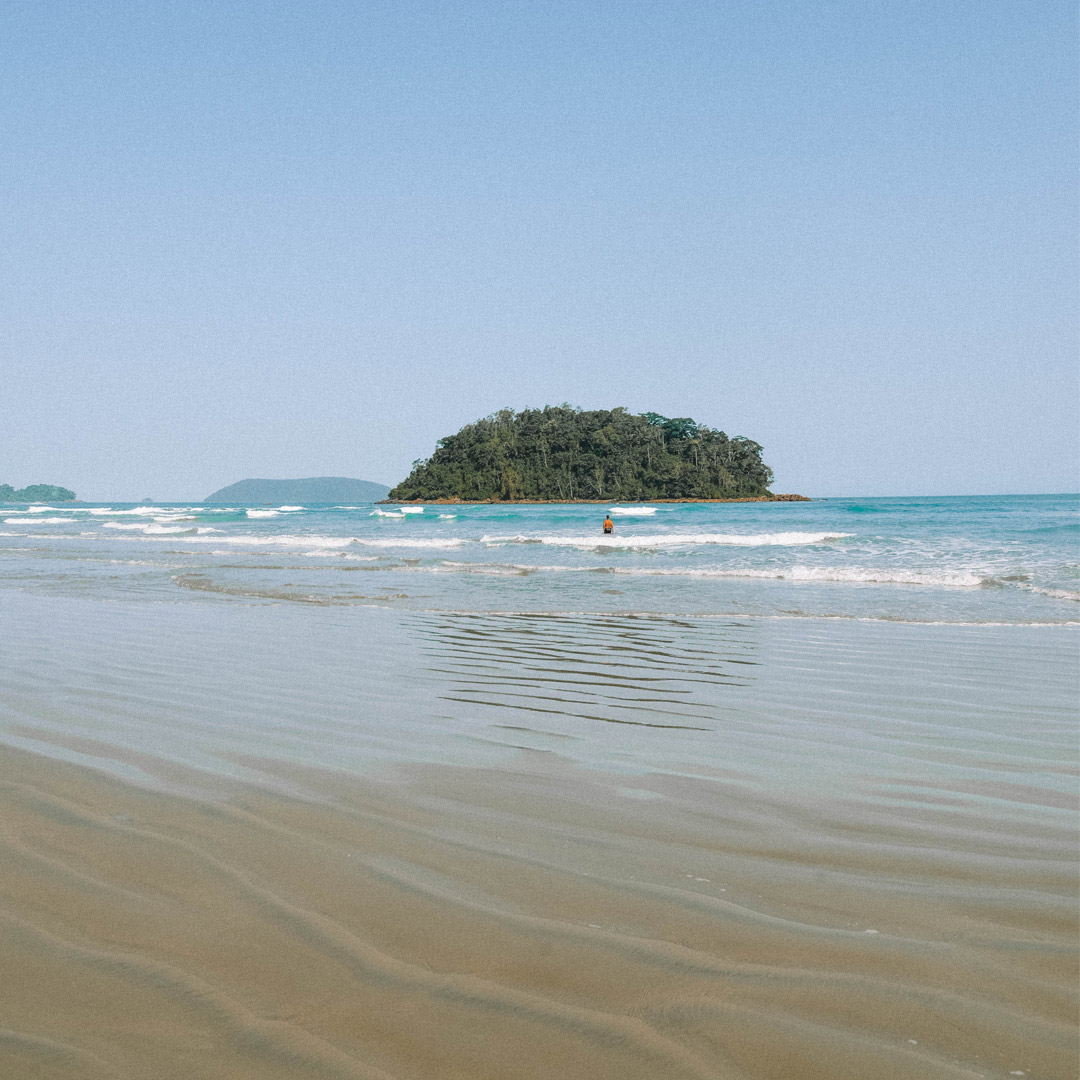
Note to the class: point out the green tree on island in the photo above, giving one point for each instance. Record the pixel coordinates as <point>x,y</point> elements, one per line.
<point>36,493</point>
<point>560,453</point>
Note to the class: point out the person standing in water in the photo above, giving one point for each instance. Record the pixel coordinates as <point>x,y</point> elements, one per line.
<point>609,525</point>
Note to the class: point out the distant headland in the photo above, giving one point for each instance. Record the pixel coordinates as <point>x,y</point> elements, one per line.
<point>36,493</point>
<point>563,454</point>
<point>314,489</point>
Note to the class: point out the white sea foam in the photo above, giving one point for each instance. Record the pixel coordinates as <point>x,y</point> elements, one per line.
<point>285,541</point>
<point>347,555</point>
<point>405,542</point>
<point>853,575</point>
<point>632,511</point>
<point>37,521</point>
<point>447,566</point>
<point>447,517</point>
<point>298,542</point>
<point>153,528</point>
<point>836,574</point>
<point>1057,594</point>
<point>156,512</point>
<point>383,513</point>
<point>411,509</point>
<point>262,513</point>
<point>290,509</point>
<point>656,540</point>
<point>138,511</point>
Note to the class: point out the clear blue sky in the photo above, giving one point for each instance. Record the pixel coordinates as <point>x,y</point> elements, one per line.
<point>295,239</point>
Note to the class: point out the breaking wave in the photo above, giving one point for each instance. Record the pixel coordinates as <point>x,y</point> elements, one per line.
<point>656,540</point>
<point>158,529</point>
<point>1057,594</point>
<point>36,521</point>
<point>300,542</point>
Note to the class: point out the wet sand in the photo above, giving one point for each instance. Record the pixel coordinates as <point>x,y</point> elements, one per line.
<point>552,912</point>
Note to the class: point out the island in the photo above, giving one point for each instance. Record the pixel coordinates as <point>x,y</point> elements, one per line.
<point>36,493</point>
<point>565,454</point>
<point>313,489</point>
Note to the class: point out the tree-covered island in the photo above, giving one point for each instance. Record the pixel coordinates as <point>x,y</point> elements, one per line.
<point>36,493</point>
<point>564,454</point>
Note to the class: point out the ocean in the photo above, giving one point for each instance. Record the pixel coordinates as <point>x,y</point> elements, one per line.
<point>746,790</point>
<point>976,560</point>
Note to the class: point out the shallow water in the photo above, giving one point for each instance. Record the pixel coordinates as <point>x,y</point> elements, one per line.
<point>1011,559</point>
<point>248,837</point>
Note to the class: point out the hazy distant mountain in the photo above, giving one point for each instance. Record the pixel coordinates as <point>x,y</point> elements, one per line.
<point>315,489</point>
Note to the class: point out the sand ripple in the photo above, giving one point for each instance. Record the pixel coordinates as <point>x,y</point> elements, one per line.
<point>317,842</point>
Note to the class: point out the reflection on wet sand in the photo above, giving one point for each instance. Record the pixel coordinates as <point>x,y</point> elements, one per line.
<point>641,670</point>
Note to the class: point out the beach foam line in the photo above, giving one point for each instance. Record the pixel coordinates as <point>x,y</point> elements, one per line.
<point>303,543</point>
<point>1056,594</point>
<point>848,575</point>
<point>350,556</point>
<point>447,542</point>
<point>654,540</point>
<point>837,575</point>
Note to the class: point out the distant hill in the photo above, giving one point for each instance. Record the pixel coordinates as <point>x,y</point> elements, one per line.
<point>36,493</point>
<point>315,489</point>
<point>563,454</point>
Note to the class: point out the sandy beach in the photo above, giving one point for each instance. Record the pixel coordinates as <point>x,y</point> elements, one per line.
<point>801,849</point>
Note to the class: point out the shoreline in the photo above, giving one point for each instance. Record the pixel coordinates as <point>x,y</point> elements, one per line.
<point>453,500</point>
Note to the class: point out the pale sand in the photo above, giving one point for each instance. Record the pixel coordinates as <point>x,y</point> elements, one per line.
<point>534,921</point>
<point>258,842</point>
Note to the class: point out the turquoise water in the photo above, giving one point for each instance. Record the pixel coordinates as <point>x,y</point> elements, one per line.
<point>1006,559</point>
